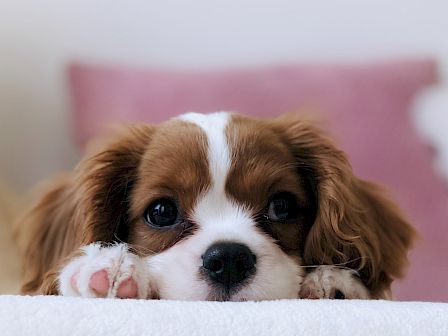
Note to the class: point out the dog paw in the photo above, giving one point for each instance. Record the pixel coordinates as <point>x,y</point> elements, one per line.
<point>105,271</point>
<point>331,282</point>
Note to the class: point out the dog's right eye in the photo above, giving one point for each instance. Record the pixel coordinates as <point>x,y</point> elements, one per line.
<point>161,213</point>
<point>282,207</point>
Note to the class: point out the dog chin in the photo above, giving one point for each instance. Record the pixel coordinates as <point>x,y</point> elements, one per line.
<point>222,295</point>
<point>241,293</point>
<point>242,296</point>
<point>249,292</point>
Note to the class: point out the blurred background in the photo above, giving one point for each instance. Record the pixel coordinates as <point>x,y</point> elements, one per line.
<point>68,67</point>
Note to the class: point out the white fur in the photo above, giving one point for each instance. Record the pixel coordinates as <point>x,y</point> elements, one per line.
<point>325,280</point>
<point>116,260</point>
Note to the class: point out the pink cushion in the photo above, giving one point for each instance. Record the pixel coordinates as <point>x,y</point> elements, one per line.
<point>368,112</point>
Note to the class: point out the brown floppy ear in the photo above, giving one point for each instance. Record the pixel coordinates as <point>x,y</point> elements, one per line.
<point>105,181</point>
<point>45,231</point>
<point>355,225</point>
<point>85,206</point>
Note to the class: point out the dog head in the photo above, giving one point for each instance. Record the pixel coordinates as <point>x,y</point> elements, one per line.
<point>227,207</point>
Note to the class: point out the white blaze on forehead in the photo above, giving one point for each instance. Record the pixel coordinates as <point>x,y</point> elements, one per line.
<point>214,208</point>
<point>214,126</point>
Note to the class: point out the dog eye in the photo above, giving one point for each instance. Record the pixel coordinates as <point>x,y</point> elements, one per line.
<point>282,207</point>
<point>161,213</point>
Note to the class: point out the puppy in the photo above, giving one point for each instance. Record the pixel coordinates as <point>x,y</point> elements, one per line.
<point>215,207</point>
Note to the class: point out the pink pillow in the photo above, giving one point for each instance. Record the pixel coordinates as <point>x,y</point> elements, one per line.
<point>368,112</point>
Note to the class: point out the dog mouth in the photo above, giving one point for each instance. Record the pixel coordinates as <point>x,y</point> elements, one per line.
<point>219,295</point>
<point>225,291</point>
<point>222,295</point>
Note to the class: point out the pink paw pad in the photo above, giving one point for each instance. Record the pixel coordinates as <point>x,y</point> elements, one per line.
<point>128,289</point>
<point>73,281</point>
<point>99,282</point>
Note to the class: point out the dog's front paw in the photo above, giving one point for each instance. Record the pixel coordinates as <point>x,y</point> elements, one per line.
<point>331,282</point>
<point>105,271</point>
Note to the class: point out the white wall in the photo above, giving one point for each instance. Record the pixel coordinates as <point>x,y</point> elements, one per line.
<point>37,38</point>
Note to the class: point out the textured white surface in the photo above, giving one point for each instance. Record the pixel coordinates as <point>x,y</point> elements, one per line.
<point>72,316</point>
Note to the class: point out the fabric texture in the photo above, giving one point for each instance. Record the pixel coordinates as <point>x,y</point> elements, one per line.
<point>365,107</point>
<point>73,316</point>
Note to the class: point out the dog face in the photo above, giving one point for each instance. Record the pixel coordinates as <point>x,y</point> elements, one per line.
<point>227,213</point>
<point>224,207</point>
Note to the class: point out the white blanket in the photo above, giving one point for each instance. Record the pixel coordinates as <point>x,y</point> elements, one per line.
<point>48,316</point>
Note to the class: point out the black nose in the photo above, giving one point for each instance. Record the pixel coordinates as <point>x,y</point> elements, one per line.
<point>228,263</point>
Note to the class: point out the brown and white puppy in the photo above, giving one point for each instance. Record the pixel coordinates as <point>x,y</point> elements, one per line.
<point>215,207</point>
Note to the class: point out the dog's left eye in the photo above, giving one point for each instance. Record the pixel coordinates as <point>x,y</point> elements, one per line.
<point>282,207</point>
<point>161,213</point>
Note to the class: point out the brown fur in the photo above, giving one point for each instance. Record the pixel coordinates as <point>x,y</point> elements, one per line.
<point>346,220</point>
<point>356,225</point>
<point>268,167</point>
<point>80,208</point>
<point>174,146</point>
